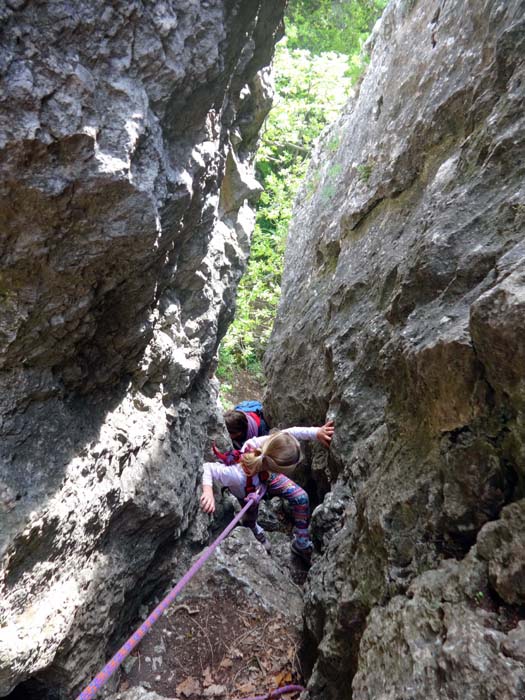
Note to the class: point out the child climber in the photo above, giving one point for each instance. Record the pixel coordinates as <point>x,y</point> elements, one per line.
<point>269,460</point>
<point>245,421</point>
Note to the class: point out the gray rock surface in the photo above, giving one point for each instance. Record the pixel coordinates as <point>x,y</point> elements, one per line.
<point>138,694</point>
<point>447,637</point>
<point>241,563</point>
<point>127,132</point>
<point>502,545</point>
<point>402,318</point>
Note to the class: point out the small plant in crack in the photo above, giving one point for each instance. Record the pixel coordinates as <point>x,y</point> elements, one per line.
<point>364,171</point>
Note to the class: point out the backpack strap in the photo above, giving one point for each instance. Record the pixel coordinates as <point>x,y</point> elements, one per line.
<point>256,417</point>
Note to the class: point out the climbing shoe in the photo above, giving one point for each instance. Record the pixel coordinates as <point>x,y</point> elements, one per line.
<point>305,554</point>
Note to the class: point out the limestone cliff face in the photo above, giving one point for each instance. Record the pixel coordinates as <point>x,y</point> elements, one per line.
<point>403,318</point>
<point>127,131</point>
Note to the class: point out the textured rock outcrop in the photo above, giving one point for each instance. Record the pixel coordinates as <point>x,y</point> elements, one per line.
<point>403,318</point>
<point>446,635</point>
<point>127,131</point>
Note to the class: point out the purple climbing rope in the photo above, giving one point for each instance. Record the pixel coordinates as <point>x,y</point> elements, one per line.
<point>109,669</point>
<point>276,693</point>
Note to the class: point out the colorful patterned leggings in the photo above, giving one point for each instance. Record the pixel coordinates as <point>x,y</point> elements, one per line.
<point>281,485</point>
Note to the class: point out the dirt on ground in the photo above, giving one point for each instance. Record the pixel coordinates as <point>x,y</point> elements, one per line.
<point>219,647</point>
<point>243,385</point>
<point>216,641</point>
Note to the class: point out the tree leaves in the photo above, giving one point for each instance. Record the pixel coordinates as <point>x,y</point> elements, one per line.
<point>312,81</point>
<point>189,686</point>
<point>310,92</point>
<point>331,25</point>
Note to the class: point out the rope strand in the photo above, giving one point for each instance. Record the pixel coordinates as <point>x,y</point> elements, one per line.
<point>113,664</point>
<point>109,669</point>
<point>276,693</point>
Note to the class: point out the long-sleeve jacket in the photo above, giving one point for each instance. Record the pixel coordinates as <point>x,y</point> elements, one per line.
<point>233,476</point>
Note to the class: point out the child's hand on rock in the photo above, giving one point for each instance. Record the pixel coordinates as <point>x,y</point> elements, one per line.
<point>325,433</point>
<point>207,499</point>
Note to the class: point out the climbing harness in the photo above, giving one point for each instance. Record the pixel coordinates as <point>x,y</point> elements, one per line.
<point>229,457</point>
<point>109,669</point>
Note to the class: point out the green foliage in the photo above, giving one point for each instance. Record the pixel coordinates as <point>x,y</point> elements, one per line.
<point>334,171</point>
<point>331,25</point>
<point>364,171</point>
<point>310,91</point>
<point>315,67</point>
<point>479,598</point>
<point>333,143</point>
<point>327,192</point>
<point>312,184</point>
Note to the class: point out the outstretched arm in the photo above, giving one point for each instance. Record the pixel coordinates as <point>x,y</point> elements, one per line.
<point>323,434</point>
<point>232,477</point>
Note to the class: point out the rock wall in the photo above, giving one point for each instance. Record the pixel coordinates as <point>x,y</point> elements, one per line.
<point>403,318</point>
<point>127,131</point>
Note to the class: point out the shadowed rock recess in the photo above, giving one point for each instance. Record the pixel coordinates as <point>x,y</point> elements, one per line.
<point>127,131</point>
<point>403,318</point>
